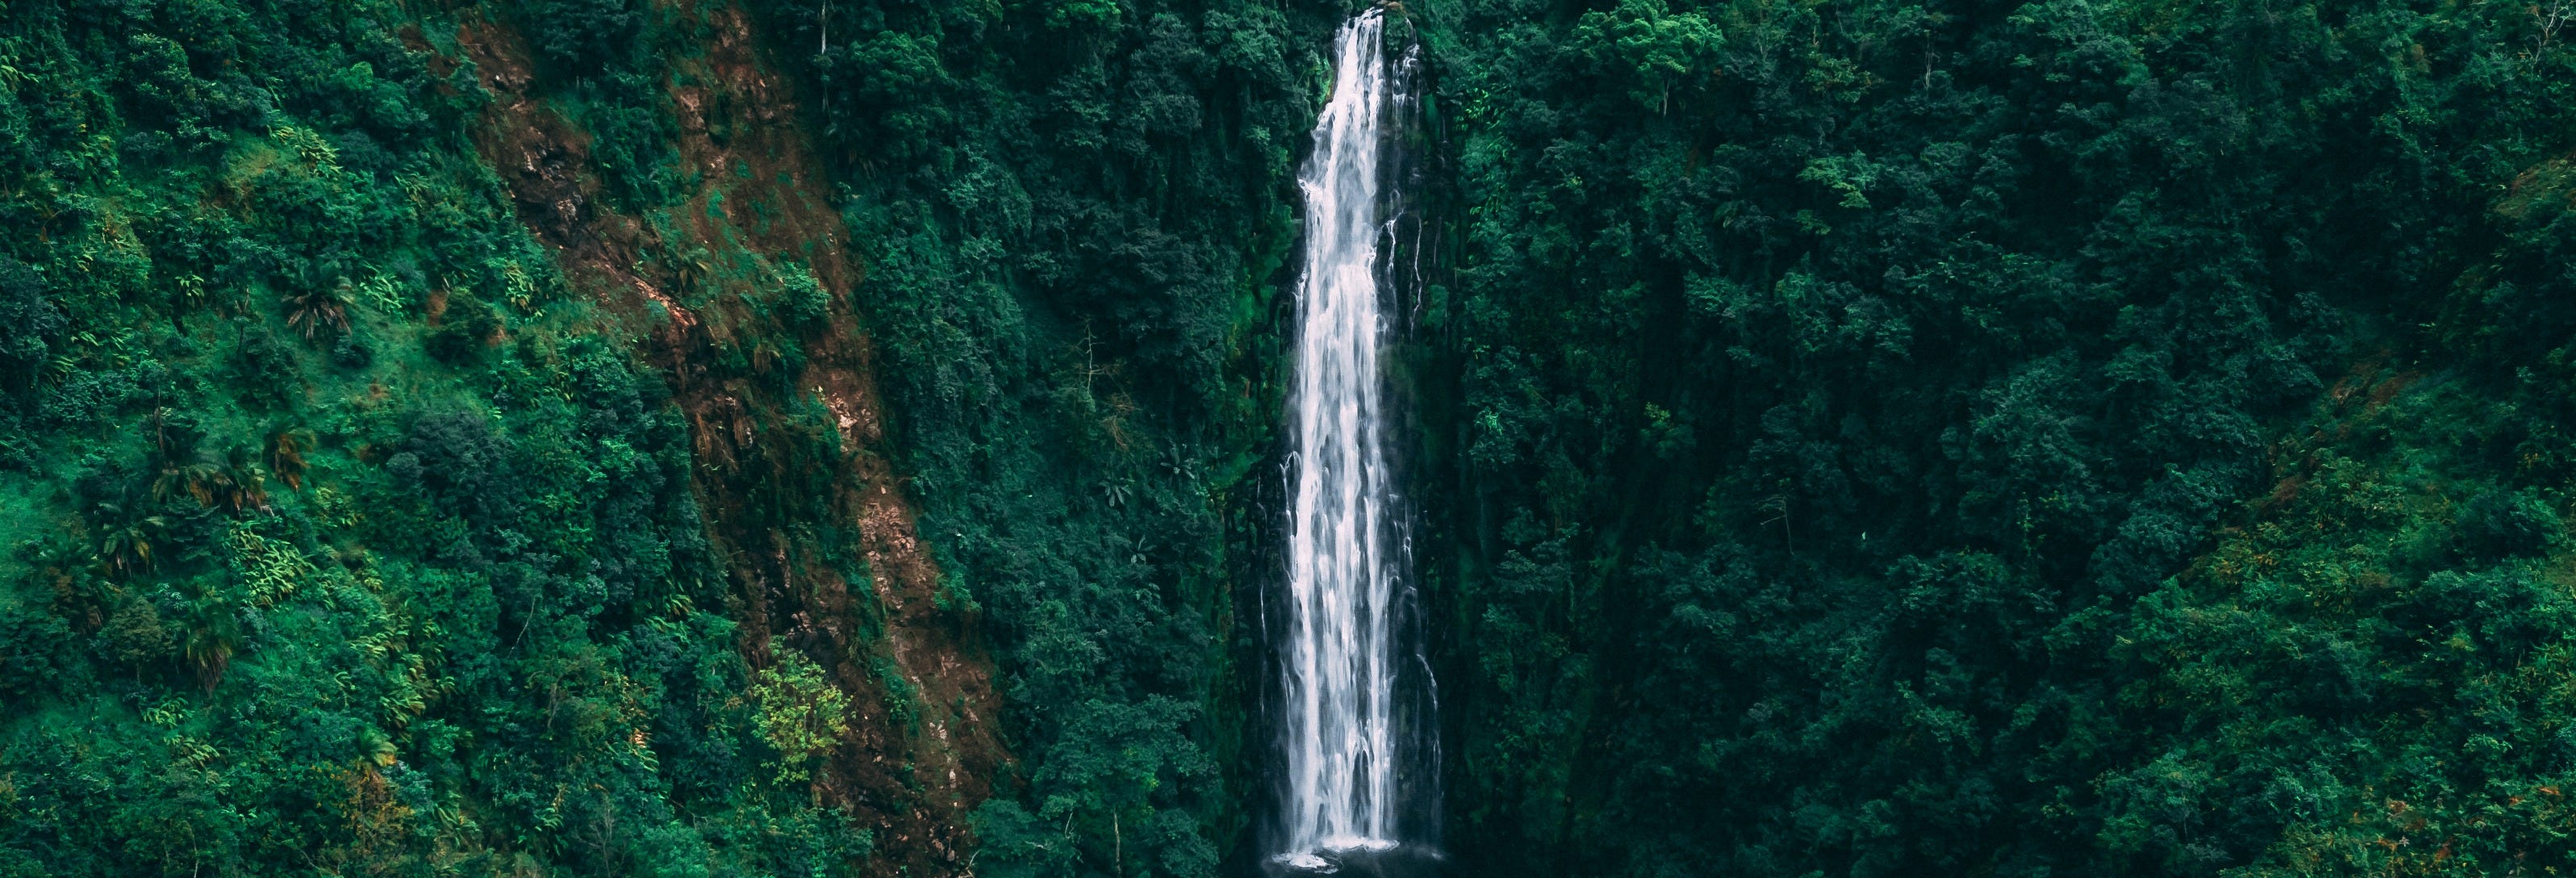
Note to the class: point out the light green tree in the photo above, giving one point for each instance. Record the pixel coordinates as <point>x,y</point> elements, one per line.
<point>799,712</point>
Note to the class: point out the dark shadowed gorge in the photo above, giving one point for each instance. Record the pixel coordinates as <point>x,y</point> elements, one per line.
<point>854,437</point>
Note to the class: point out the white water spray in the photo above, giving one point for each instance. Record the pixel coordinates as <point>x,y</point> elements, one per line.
<point>1340,657</point>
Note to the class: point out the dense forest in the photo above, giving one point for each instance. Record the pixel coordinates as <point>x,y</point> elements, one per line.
<point>843,437</point>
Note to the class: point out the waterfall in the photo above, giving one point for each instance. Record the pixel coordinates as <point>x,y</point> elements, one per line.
<point>1340,653</point>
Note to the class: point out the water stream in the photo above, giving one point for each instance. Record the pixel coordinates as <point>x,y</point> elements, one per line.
<point>1343,652</point>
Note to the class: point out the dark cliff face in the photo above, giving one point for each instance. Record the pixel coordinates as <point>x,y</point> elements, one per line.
<point>649,436</point>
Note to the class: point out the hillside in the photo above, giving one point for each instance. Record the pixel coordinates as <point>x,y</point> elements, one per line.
<point>846,437</point>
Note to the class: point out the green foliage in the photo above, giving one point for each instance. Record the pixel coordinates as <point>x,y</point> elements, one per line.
<point>582,36</point>
<point>800,713</point>
<point>1836,408</point>
<point>1854,438</point>
<point>463,331</point>
<point>2363,678</point>
<point>801,300</point>
<point>29,324</point>
<point>1073,216</point>
<point>279,595</point>
<point>1647,43</point>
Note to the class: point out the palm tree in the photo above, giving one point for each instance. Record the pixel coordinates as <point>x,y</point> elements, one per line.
<point>231,481</point>
<point>127,548</point>
<point>286,449</point>
<point>198,476</point>
<point>245,485</point>
<point>316,308</point>
<point>214,634</point>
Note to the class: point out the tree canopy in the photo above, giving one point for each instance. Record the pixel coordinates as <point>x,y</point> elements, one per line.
<point>1849,437</point>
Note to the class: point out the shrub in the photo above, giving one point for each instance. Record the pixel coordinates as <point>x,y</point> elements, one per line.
<point>28,325</point>
<point>463,331</point>
<point>2506,524</point>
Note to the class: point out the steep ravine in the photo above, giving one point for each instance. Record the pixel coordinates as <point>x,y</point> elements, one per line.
<point>921,750</point>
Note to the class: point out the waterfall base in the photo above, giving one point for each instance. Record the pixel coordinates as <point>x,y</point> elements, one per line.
<point>1359,858</point>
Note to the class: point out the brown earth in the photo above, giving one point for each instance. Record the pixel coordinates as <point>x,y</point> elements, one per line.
<point>746,151</point>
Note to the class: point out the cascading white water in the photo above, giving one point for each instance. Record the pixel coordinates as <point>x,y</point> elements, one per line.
<point>1339,657</point>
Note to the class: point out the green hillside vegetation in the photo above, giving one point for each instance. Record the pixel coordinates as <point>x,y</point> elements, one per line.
<point>343,538</point>
<point>354,518</point>
<point>1075,216</point>
<point>617,437</point>
<point>2011,439</point>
